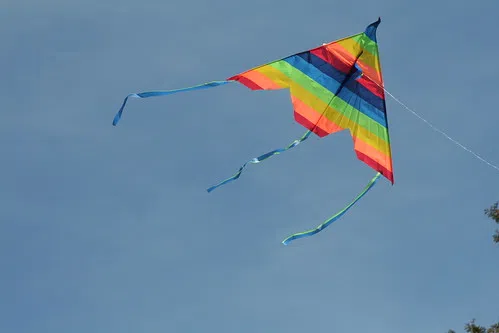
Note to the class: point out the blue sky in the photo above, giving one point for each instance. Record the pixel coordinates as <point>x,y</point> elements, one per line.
<point>109,229</point>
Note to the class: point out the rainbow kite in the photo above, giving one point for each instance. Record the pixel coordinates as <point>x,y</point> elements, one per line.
<point>333,87</point>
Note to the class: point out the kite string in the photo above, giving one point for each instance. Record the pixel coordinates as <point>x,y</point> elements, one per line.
<point>436,128</point>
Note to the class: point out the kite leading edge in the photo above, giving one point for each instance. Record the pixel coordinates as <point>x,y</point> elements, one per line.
<point>333,87</point>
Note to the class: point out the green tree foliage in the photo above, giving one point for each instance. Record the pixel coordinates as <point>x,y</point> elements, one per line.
<point>494,328</point>
<point>493,213</point>
<point>472,327</point>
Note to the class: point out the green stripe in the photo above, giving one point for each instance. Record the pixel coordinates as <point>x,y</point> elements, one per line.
<point>369,45</point>
<point>299,78</point>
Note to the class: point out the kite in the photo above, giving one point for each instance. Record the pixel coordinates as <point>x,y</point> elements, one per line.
<point>333,87</point>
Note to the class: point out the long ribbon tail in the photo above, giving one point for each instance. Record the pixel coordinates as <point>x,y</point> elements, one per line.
<point>164,93</point>
<point>260,159</point>
<point>334,217</point>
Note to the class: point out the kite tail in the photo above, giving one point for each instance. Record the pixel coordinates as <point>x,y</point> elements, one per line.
<point>164,93</point>
<point>334,217</point>
<point>260,159</point>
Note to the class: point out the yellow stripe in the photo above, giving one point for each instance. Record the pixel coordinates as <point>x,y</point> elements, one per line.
<point>353,47</point>
<point>369,45</point>
<point>342,120</point>
<point>276,76</point>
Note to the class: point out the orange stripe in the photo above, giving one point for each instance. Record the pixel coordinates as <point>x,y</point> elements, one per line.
<point>369,52</point>
<point>262,80</point>
<point>314,117</point>
<point>373,153</point>
<point>339,51</point>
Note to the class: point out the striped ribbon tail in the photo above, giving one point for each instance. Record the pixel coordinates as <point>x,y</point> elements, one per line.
<point>260,159</point>
<point>148,94</point>
<point>334,217</point>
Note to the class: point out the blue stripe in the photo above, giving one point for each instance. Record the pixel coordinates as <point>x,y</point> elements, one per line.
<point>371,30</point>
<point>339,76</point>
<point>315,67</point>
<point>353,93</point>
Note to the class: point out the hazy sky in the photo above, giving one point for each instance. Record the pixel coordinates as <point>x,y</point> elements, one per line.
<point>108,229</point>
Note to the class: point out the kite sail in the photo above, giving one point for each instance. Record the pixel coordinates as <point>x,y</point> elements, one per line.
<point>333,87</point>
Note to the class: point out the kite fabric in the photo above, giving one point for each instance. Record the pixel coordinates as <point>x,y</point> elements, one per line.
<point>333,87</point>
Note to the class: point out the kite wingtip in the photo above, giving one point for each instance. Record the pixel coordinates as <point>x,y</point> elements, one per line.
<point>371,29</point>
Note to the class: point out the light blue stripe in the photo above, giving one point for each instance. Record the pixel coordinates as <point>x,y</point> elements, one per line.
<point>333,86</point>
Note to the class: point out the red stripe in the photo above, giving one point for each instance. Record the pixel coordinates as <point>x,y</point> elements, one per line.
<point>247,82</point>
<point>311,126</point>
<point>336,62</point>
<point>372,87</point>
<point>332,59</point>
<point>375,165</point>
